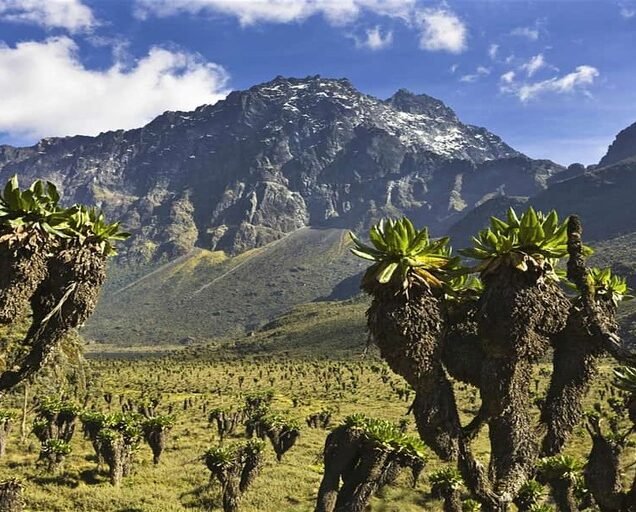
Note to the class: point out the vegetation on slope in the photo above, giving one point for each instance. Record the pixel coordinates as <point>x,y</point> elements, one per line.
<point>206,294</point>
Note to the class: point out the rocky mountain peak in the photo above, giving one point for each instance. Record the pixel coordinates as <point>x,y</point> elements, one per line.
<point>623,147</point>
<point>407,101</point>
<point>282,155</point>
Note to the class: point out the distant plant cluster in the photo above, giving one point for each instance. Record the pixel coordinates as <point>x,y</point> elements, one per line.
<point>435,317</point>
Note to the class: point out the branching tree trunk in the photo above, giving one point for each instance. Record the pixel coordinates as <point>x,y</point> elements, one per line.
<point>53,263</point>
<point>408,330</point>
<point>235,468</point>
<point>156,431</point>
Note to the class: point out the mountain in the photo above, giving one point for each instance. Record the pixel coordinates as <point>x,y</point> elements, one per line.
<point>602,196</point>
<point>623,147</point>
<point>283,155</point>
<point>240,209</point>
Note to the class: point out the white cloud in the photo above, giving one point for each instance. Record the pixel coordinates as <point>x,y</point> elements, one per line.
<point>534,64</point>
<point>71,15</point>
<point>249,12</point>
<point>479,72</point>
<point>442,30</point>
<point>46,91</point>
<point>374,39</point>
<point>528,32</point>
<point>492,51</point>
<point>627,12</point>
<point>578,80</point>
<point>508,77</point>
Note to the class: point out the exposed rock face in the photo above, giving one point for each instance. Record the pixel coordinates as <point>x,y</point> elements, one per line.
<point>623,147</point>
<point>282,155</point>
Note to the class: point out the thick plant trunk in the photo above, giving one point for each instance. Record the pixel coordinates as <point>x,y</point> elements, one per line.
<point>575,364</point>
<point>5,429</point>
<point>505,399</point>
<point>563,496</point>
<point>23,269</point>
<point>391,471</point>
<point>250,471</point>
<point>236,476</point>
<point>453,502</point>
<point>517,315</point>
<point>408,332</point>
<point>602,472</point>
<point>341,454</point>
<point>61,302</point>
<point>11,496</point>
<point>231,494</point>
<point>360,483</point>
<point>156,439</point>
<point>435,412</point>
<point>114,453</point>
<point>282,440</point>
<point>462,353</point>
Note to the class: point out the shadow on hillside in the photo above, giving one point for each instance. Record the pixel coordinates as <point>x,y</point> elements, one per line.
<point>91,477</point>
<point>63,480</point>
<point>202,497</point>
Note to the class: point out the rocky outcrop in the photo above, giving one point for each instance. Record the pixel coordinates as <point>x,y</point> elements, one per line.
<point>623,147</point>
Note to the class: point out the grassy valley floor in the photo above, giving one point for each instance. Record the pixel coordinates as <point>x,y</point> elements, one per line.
<point>181,481</point>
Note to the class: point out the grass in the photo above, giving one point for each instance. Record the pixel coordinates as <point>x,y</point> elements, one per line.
<point>212,378</point>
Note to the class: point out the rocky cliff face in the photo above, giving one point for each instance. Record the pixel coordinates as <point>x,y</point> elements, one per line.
<point>623,147</point>
<point>277,157</point>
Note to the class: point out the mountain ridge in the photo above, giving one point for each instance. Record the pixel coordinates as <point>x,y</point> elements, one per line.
<point>282,155</point>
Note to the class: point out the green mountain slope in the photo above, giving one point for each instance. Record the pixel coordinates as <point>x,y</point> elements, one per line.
<point>207,294</point>
<point>334,329</point>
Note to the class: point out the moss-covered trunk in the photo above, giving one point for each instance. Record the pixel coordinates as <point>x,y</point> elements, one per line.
<point>563,495</point>
<point>408,331</point>
<point>114,453</point>
<point>361,482</point>
<point>5,429</point>
<point>575,364</point>
<point>602,472</point>
<point>61,302</point>
<point>518,313</point>
<point>23,269</point>
<point>340,454</point>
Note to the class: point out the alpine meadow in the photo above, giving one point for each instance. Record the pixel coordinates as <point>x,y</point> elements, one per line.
<point>222,291</point>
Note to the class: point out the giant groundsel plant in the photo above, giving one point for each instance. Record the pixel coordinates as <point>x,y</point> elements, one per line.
<point>53,267</point>
<point>491,336</point>
<point>404,255</point>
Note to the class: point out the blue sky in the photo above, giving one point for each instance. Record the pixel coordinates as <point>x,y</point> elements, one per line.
<point>555,79</point>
